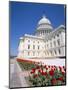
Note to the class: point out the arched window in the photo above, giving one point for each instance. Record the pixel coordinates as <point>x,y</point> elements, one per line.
<point>55,51</point>
<point>28,40</point>
<point>43,32</point>
<point>59,51</point>
<point>54,43</point>
<point>51,52</point>
<point>54,37</point>
<point>38,47</point>
<point>58,41</point>
<point>38,41</point>
<point>57,35</point>
<point>28,46</point>
<point>47,53</point>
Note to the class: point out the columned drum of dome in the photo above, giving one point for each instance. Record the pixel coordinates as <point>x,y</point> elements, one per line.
<point>44,27</point>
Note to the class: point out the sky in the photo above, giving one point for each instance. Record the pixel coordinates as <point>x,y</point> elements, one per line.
<point>24,18</point>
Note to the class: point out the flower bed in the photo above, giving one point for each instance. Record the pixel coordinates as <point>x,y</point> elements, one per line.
<point>47,75</point>
<point>26,64</point>
<point>43,75</point>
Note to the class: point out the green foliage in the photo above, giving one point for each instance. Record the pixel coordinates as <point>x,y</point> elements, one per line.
<point>47,80</point>
<point>40,77</point>
<point>26,65</point>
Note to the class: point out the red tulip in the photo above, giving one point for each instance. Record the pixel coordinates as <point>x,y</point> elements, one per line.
<point>54,69</point>
<point>63,73</point>
<point>36,75</point>
<point>60,68</point>
<point>51,72</point>
<point>37,67</point>
<point>54,81</point>
<point>52,66</point>
<point>33,70</point>
<point>44,73</point>
<point>63,67</point>
<point>60,78</point>
<point>45,66</point>
<point>39,71</point>
<point>49,66</point>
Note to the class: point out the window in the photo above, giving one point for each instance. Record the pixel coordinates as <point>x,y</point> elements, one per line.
<point>38,41</point>
<point>28,40</point>
<point>57,35</point>
<point>60,32</point>
<point>54,37</point>
<point>51,52</point>
<point>47,52</point>
<point>28,46</point>
<point>43,32</point>
<point>47,31</point>
<point>58,41</point>
<point>38,47</point>
<point>59,51</point>
<point>55,51</point>
<point>33,46</point>
<point>54,43</point>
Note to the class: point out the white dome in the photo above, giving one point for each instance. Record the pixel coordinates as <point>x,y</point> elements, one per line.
<point>44,20</point>
<point>44,27</point>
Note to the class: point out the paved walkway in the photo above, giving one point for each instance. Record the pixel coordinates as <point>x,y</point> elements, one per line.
<point>17,77</point>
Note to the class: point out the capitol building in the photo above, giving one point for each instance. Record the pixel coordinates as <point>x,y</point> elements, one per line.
<point>47,42</point>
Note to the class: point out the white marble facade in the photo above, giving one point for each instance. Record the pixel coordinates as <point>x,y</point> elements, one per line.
<point>47,42</point>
